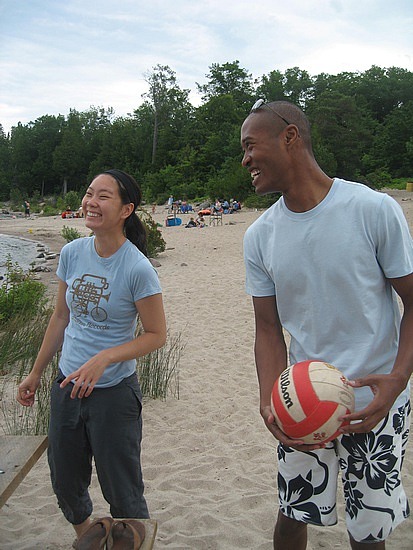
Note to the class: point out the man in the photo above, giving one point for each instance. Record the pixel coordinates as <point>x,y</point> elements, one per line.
<point>170,203</point>
<point>322,264</point>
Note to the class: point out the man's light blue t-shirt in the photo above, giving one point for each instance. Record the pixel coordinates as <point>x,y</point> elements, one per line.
<point>328,268</point>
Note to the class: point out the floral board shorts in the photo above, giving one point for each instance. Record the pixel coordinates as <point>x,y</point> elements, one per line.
<point>370,466</point>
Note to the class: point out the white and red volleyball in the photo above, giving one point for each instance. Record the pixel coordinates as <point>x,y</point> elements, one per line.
<point>308,399</point>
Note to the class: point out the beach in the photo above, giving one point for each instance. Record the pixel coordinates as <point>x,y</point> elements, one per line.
<point>208,461</point>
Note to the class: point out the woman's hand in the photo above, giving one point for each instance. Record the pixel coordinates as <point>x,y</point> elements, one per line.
<point>27,389</point>
<point>87,376</point>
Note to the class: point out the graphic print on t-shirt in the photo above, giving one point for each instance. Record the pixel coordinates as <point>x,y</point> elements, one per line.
<point>88,293</point>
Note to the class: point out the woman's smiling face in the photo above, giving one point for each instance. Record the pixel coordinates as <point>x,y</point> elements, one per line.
<point>102,205</point>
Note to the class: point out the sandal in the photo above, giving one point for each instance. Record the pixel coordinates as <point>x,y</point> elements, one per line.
<point>127,534</point>
<point>96,535</point>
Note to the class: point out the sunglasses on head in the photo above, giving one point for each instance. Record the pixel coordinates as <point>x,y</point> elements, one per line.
<point>261,103</point>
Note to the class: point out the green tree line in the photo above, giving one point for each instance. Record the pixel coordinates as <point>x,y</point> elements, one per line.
<point>362,130</point>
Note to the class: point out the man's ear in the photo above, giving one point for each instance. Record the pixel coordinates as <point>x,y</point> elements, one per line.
<point>291,134</point>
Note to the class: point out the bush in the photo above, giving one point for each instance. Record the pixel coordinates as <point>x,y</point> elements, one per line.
<point>73,200</point>
<point>70,233</point>
<point>260,201</point>
<point>16,198</point>
<point>399,183</point>
<point>50,210</point>
<point>377,179</point>
<point>156,243</point>
<point>20,294</point>
<point>23,321</point>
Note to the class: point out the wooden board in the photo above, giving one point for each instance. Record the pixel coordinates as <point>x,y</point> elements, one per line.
<point>18,454</point>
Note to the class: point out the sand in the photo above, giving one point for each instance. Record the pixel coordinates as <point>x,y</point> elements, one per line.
<point>209,463</point>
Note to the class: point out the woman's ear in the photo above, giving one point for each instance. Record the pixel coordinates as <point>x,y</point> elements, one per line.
<point>128,209</point>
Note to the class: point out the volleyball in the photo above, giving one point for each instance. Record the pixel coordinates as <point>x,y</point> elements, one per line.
<point>308,399</point>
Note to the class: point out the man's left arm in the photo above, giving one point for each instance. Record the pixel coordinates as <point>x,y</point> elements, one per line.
<point>387,387</point>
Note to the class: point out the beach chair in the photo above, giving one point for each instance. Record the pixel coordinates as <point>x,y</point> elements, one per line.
<point>215,218</point>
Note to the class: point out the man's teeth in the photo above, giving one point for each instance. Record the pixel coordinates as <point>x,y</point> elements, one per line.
<point>92,215</point>
<point>255,173</point>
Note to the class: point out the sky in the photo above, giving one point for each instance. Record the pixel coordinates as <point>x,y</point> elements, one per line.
<point>57,55</point>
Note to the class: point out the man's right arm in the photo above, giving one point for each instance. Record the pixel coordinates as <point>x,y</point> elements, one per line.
<point>271,360</point>
<point>270,349</point>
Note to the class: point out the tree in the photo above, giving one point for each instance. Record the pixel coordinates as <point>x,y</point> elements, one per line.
<point>271,87</point>
<point>385,89</point>
<point>4,165</point>
<point>46,133</point>
<point>22,156</point>
<point>119,147</point>
<point>95,124</point>
<point>167,102</point>
<point>231,181</point>
<point>229,79</point>
<point>345,83</point>
<point>298,87</point>
<point>361,127</point>
<point>392,145</point>
<point>294,85</point>
<point>70,156</point>
<point>344,130</point>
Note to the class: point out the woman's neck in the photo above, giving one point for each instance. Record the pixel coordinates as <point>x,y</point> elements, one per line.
<point>107,246</point>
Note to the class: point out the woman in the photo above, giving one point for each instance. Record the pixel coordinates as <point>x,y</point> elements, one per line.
<point>105,281</point>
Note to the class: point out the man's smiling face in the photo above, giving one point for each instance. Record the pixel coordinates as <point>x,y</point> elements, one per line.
<point>264,154</point>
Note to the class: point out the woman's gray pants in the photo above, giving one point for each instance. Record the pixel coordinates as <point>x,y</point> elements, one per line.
<point>107,426</point>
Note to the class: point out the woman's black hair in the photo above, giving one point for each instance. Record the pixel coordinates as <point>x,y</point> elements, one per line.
<point>130,192</point>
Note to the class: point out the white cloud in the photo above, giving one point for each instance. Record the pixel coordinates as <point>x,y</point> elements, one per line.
<point>55,56</point>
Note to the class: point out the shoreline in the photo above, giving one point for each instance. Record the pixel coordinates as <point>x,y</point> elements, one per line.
<point>43,231</point>
<point>38,254</point>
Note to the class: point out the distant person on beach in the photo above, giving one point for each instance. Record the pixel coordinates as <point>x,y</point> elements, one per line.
<point>26,209</point>
<point>325,264</point>
<point>191,223</point>
<point>170,203</point>
<point>200,221</point>
<point>105,283</point>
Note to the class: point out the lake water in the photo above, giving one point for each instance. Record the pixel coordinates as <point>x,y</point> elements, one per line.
<point>22,251</point>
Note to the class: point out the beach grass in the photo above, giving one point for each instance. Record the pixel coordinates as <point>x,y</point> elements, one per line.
<point>158,372</point>
<point>21,296</point>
